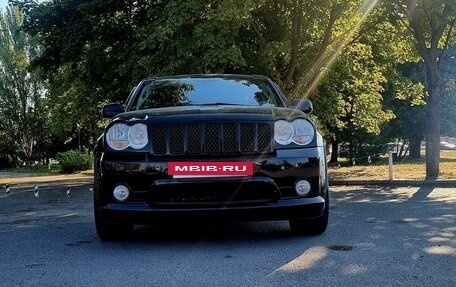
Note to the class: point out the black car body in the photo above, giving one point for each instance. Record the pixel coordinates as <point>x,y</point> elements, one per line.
<point>207,120</point>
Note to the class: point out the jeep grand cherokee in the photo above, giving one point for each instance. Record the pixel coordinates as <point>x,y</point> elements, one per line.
<point>209,147</point>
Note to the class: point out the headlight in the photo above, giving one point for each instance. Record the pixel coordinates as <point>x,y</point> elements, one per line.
<point>303,131</point>
<point>299,131</point>
<point>117,136</point>
<point>138,136</point>
<point>121,136</point>
<point>282,132</point>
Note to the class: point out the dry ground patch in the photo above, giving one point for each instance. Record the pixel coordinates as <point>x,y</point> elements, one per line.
<point>39,178</point>
<point>404,168</point>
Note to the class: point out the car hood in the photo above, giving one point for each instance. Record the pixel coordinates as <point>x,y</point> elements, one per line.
<point>211,110</point>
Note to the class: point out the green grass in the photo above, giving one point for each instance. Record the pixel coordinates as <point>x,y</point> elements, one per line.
<point>37,170</point>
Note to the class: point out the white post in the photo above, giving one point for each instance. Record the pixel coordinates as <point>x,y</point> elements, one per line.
<point>390,162</point>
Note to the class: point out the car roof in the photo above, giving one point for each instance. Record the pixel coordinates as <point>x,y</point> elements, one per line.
<point>206,76</point>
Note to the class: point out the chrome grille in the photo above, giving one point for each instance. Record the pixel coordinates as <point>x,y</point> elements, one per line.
<point>228,138</point>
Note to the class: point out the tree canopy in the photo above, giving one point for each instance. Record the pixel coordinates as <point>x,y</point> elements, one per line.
<point>431,23</point>
<point>22,106</point>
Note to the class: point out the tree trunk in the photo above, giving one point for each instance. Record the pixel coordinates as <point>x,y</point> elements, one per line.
<point>434,111</point>
<point>296,27</point>
<point>415,147</point>
<point>334,151</point>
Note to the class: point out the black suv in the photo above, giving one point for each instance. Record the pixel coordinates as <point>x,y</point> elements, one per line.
<point>209,147</point>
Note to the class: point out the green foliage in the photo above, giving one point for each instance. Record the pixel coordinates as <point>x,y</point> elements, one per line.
<point>88,59</point>
<point>349,101</point>
<point>295,42</point>
<point>193,37</point>
<point>114,44</point>
<point>73,160</point>
<point>22,106</point>
<point>6,161</point>
<point>37,170</point>
<point>405,96</point>
<point>431,23</point>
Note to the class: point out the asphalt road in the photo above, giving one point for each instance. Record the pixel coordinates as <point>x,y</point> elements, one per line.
<point>377,237</point>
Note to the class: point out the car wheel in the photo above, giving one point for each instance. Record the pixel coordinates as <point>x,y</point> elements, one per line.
<point>311,226</point>
<point>108,231</point>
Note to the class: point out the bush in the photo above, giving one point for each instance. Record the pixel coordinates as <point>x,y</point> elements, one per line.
<point>6,161</point>
<point>73,160</point>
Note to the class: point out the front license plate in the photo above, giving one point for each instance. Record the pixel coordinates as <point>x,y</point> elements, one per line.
<point>209,169</point>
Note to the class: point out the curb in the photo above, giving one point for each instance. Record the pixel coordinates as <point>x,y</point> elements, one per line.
<point>51,184</point>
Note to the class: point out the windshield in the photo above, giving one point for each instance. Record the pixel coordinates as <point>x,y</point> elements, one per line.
<point>206,91</point>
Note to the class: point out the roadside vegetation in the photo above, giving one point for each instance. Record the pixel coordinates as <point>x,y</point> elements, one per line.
<point>68,162</point>
<point>36,170</point>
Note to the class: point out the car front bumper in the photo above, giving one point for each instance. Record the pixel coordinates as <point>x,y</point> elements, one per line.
<point>284,209</point>
<point>267,195</point>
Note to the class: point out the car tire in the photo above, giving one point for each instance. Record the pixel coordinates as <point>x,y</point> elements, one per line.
<point>108,231</point>
<point>313,226</point>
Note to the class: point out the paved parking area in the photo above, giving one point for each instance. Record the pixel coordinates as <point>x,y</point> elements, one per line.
<point>378,236</point>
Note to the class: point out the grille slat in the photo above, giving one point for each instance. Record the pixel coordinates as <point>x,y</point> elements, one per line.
<point>211,138</point>
<point>193,139</point>
<point>159,140</point>
<point>247,137</point>
<point>229,142</point>
<point>227,138</point>
<point>176,144</point>
<point>264,137</point>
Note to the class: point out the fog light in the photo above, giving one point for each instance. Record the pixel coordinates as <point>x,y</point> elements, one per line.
<point>121,192</point>
<point>302,187</point>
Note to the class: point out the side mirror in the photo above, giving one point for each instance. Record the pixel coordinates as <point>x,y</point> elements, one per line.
<point>304,105</point>
<point>112,110</point>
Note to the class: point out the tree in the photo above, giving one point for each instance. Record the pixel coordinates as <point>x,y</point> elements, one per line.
<point>114,44</point>
<point>22,110</point>
<point>295,42</point>
<point>362,79</point>
<point>349,100</point>
<point>88,59</point>
<point>431,23</point>
<point>408,127</point>
<point>194,36</point>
